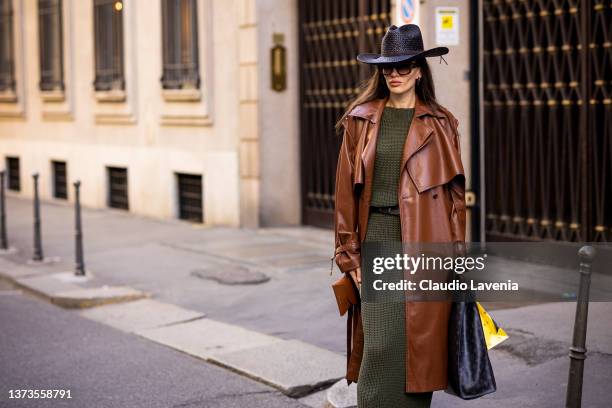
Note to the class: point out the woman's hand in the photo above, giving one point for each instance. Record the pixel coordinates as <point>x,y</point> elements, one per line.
<point>356,275</point>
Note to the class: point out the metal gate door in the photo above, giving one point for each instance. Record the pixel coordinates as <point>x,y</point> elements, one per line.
<point>332,33</point>
<point>547,121</point>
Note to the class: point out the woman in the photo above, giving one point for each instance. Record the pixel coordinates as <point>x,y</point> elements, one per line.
<point>399,179</point>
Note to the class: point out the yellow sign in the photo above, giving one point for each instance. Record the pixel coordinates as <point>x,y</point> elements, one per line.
<point>447,22</point>
<point>447,25</point>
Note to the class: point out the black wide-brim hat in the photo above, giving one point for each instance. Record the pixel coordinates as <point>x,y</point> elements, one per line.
<point>401,44</point>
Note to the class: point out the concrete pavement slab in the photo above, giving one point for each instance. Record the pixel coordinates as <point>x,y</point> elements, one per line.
<point>72,278</point>
<point>46,285</point>
<point>294,367</point>
<point>532,349</point>
<point>47,260</point>
<point>8,251</point>
<point>540,386</point>
<point>341,395</point>
<point>555,321</point>
<point>11,270</point>
<point>323,237</point>
<point>205,338</point>
<point>140,314</point>
<point>58,290</point>
<point>298,261</point>
<point>254,251</point>
<point>317,399</point>
<point>229,244</point>
<point>531,367</point>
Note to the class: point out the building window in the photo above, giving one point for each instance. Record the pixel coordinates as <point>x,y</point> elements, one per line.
<point>108,44</point>
<point>7,52</point>
<point>60,185</point>
<point>50,45</point>
<point>190,197</point>
<point>14,180</point>
<point>180,45</point>
<point>117,188</point>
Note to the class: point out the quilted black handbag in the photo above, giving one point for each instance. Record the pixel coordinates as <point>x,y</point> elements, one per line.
<point>470,374</point>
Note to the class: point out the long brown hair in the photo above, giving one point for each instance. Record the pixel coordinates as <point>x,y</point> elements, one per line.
<point>375,87</point>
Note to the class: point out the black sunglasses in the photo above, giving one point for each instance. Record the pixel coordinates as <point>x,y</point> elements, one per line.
<point>402,69</point>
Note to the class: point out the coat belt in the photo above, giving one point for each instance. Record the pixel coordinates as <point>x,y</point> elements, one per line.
<point>391,209</point>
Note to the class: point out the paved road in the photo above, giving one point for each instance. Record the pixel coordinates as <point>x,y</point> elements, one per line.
<point>160,257</point>
<point>45,347</point>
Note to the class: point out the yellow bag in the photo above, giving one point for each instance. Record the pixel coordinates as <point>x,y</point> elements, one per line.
<point>493,334</point>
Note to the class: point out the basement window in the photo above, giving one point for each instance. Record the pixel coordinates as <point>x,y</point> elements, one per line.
<point>190,197</point>
<point>60,184</point>
<point>118,188</point>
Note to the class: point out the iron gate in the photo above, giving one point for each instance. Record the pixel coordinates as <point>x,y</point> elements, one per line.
<point>332,33</point>
<point>547,68</point>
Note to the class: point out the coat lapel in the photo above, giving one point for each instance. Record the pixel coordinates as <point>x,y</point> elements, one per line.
<point>369,152</point>
<point>419,134</point>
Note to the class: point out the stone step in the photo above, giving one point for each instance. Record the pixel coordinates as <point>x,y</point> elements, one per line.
<point>292,366</point>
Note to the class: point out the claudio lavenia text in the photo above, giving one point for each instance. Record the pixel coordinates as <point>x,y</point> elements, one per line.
<point>430,285</point>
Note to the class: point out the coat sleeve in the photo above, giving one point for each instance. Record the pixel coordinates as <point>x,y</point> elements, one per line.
<point>457,193</point>
<point>348,250</point>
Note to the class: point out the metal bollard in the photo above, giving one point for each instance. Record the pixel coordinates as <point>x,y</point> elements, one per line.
<point>3,240</point>
<point>38,252</point>
<point>80,263</point>
<point>577,352</point>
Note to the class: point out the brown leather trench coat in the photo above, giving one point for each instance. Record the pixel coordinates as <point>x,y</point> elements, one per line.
<point>431,194</point>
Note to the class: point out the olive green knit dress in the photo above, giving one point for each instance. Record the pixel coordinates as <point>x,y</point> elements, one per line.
<point>382,374</point>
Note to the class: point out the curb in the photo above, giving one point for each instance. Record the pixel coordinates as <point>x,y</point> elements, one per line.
<point>61,290</point>
<point>295,368</point>
<point>86,298</point>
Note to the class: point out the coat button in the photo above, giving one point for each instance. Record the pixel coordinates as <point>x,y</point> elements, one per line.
<point>435,195</point>
<point>410,199</point>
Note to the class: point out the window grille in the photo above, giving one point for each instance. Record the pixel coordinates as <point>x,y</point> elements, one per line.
<point>50,45</point>
<point>180,45</point>
<point>117,188</point>
<point>7,52</point>
<point>60,185</point>
<point>330,34</point>
<point>108,40</point>
<point>190,197</point>
<point>14,179</point>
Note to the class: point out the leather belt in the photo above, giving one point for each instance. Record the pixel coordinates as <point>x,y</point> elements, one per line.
<point>392,209</point>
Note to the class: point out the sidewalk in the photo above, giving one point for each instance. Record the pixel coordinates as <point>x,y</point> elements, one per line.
<point>244,298</point>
